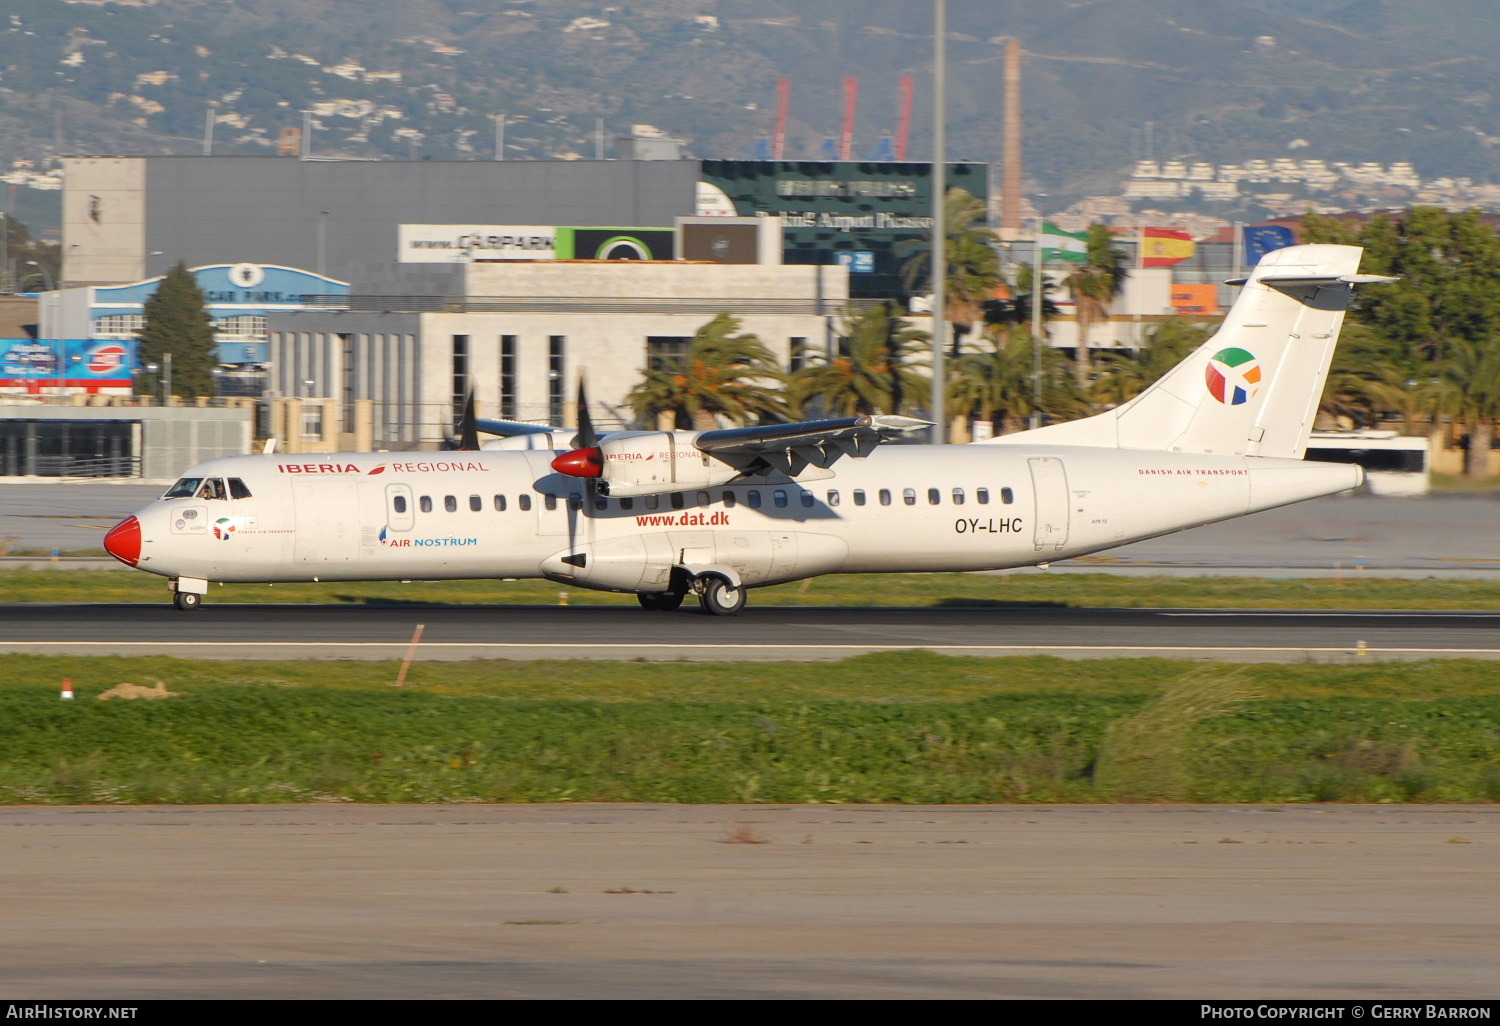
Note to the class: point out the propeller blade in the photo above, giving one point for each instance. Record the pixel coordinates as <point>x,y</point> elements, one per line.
<point>468,426</point>
<point>587,437</point>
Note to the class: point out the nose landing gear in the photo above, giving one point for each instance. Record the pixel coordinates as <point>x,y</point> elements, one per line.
<point>187,593</point>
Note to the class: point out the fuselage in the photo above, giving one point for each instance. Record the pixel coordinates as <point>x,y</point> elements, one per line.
<point>506,514</point>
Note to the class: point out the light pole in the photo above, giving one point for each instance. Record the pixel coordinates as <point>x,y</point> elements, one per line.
<point>52,343</point>
<point>151,369</point>
<point>939,220</point>
<point>1038,296</point>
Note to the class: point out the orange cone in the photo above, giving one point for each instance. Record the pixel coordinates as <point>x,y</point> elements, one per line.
<point>67,688</point>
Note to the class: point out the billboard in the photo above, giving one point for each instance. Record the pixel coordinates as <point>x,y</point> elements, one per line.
<point>876,212</point>
<point>75,362</point>
<point>1195,300</point>
<point>463,243</point>
<point>616,243</point>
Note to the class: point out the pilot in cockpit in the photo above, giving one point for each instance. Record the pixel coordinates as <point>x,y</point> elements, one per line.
<point>213,488</point>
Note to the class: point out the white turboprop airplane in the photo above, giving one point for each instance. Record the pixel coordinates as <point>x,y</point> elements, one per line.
<point>662,514</point>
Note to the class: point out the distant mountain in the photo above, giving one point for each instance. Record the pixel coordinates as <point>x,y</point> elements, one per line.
<point>1105,80</point>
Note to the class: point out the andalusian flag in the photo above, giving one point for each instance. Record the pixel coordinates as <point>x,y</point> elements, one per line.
<point>1163,247</point>
<point>1060,245</point>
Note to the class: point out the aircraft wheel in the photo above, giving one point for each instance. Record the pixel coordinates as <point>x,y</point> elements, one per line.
<point>720,598</point>
<point>187,600</point>
<point>660,601</point>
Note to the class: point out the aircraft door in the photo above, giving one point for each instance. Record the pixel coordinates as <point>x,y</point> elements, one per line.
<point>328,521</point>
<point>1049,482</point>
<point>400,513</point>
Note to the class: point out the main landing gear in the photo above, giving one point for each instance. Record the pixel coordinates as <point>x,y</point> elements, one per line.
<point>187,600</point>
<point>716,594</point>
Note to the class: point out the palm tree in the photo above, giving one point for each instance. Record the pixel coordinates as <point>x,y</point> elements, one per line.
<point>1467,389</point>
<point>1124,375</point>
<point>998,384</point>
<point>1094,284</point>
<point>973,265</point>
<point>1364,382</point>
<point>724,373</point>
<point>873,371</point>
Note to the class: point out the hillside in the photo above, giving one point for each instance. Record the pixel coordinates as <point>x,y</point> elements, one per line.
<point>1352,79</point>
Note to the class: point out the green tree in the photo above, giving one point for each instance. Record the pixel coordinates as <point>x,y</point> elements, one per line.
<point>1094,285</point>
<point>873,372</point>
<point>1123,375</point>
<point>725,373</point>
<point>973,266</point>
<point>177,323</point>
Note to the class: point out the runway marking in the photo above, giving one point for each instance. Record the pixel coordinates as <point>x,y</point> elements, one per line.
<point>1423,614</point>
<point>401,645</point>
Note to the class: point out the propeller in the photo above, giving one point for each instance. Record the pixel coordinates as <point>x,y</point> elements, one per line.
<point>585,459</point>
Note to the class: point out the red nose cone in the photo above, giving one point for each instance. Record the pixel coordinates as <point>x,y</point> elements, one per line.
<point>124,541</point>
<point>580,463</point>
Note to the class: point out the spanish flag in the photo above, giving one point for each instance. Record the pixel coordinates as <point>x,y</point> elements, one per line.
<point>1163,247</point>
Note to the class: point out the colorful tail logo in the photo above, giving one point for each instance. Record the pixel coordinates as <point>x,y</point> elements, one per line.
<point>1233,376</point>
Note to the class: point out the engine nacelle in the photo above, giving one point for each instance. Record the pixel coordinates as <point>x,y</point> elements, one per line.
<point>652,462</point>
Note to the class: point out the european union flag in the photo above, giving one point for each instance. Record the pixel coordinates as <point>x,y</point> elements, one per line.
<point>1260,239</point>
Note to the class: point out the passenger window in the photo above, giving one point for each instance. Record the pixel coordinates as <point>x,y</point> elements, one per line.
<point>450,503</point>
<point>499,504</point>
<point>807,500</point>
<point>575,502</point>
<point>704,498</point>
<point>653,501</point>
<point>550,501</point>
<point>600,502</point>
<point>859,496</point>
<point>909,496</point>
<point>833,497</point>
<point>958,496</point>
<point>779,495</point>
<point>729,499</point>
<point>934,496</point>
<point>524,502</point>
<point>982,496</point>
<point>476,503</point>
<point>237,489</point>
<point>1007,496</point>
<point>885,496</point>
<point>398,503</point>
<point>627,504</point>
<point>678,500</point>
<point>426,503</point>
<point>754,498</point>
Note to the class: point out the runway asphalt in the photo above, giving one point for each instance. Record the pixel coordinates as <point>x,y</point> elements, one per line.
<point>1329,904</point>
<point>765,633</point>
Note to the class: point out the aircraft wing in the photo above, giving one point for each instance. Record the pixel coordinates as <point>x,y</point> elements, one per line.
<point>790,448</point>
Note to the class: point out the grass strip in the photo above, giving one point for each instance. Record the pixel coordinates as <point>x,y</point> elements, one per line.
<point>1102,590</point>
<point>908,727</point>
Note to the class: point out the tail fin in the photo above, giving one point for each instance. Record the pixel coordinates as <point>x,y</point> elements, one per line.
<point>1252,389</point>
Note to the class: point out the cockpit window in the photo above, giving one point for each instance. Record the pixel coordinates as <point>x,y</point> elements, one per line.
<point>237,489</point>
<point>184,489</point>
<point>213,488</point>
